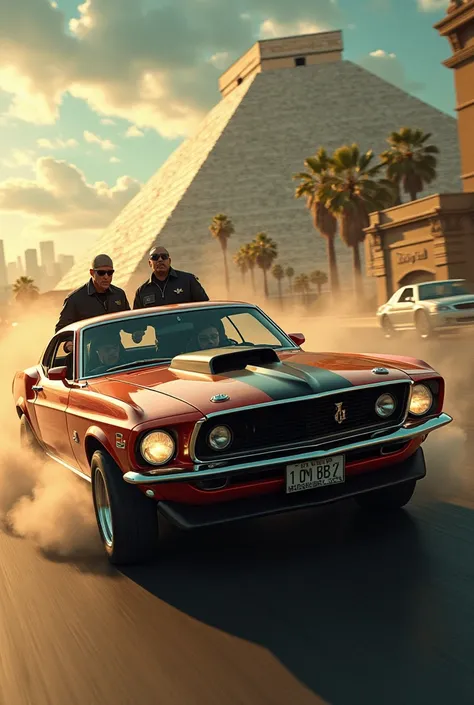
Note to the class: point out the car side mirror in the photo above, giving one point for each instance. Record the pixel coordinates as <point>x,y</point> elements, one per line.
<point>297,338</point>
<point>58,374</point>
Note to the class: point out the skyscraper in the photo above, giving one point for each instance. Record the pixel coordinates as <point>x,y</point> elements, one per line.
<point>31,265</point>
<point>47,257</point>
<point>3,267</point>
<point>65,263</point>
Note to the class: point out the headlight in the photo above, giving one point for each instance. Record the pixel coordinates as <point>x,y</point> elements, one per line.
<point>157,447</point>
<point>385,405</point>
<point>443,308</point>
<point>220,437</point>
<point>421,400</point>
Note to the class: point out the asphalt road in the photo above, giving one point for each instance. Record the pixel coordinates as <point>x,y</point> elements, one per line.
<point>324,606</point>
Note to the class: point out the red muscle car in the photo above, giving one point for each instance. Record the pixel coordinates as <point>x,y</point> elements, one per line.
<point>208,413</point>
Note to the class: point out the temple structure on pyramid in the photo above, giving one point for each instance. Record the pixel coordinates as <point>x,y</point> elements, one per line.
<point>280,101</point>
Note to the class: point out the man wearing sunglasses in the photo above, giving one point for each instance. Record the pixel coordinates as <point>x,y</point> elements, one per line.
<point>96,298</point>
<point>167,285</point>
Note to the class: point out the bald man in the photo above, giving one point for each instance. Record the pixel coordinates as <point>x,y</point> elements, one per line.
<point>167,285</point>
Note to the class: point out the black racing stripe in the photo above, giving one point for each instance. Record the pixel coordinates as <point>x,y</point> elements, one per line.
<point>319,378</point>
<point>287,381</point>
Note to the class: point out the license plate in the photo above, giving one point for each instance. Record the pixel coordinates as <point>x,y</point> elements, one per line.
<point>315,473</point>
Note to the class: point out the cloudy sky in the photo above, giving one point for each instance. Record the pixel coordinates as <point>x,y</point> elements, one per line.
<point>95,96</point>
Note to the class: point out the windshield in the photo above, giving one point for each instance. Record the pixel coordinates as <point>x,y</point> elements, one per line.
<point>157,338</point>
<point>442,289</point>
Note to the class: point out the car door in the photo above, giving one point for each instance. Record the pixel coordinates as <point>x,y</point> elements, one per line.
<point>52,398</point>
<point>401,314</point>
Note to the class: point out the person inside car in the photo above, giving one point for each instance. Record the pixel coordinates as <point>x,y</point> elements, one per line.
<point>104,352</point>
<point>210,334</point>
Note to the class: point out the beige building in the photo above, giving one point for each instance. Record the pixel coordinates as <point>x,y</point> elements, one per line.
<point>279,102</point>
<point>433,238</point>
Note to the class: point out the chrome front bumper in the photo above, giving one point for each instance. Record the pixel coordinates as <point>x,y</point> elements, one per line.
<point>201,471</point>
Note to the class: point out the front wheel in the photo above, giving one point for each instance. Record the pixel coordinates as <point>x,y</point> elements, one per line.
<point>388,498</point>
<point>387,327</point>
<point>423,325</point>
<point>127,520</point>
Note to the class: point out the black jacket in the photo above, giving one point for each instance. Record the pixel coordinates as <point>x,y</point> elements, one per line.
<point>85,302</point>
<point>179,288</point>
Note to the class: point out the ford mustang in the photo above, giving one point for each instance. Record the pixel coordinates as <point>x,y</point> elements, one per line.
<point>209,413</point>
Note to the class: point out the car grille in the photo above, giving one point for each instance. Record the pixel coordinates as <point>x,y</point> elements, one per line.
<point>301,421</point>
<point>469,304</point>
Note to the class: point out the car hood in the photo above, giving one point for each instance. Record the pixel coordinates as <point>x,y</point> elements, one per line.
<point>298,374</point>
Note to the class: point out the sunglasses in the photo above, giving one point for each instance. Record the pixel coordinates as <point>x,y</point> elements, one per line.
<point>104,272</point>
<point>155,258</point>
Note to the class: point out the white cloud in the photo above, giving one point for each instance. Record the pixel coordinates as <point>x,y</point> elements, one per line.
<point>60,199</point>
<point>432,5</point>
<point>92,138</point>
<point>107,121</point>
<point>133,131</point>
<point>381,54</point>
<point>386,65</point>
<point>45,143</point>
<point>147,65</point>
<point>114,160</point>
<point>220,60</point>
<point>20,158</point>
<point>270,29</point>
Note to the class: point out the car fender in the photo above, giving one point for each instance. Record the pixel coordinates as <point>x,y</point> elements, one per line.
<point>95,432</point>
<point>421,307</point>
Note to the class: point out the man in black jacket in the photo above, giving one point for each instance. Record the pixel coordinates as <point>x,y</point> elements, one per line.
<point>96,298</point>
<point>167,285</point>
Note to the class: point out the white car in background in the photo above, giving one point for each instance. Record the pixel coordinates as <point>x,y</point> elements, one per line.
<point>428,308</point>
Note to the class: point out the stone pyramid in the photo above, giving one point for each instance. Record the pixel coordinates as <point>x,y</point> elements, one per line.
<point>280,102</point>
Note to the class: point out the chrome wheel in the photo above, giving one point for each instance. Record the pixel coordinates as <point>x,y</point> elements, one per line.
<point>423,326</point>
<point>104,513</point>
<point>387,327</point>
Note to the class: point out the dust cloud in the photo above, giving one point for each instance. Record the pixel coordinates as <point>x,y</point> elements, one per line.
<point>49,506</point>
<point>39,500</point>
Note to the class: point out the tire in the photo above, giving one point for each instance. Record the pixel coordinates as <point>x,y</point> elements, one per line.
<point>388,498</point>
<point>423,325</point>
<point>28,440</point>
<point>387,327</point>
<point>126,519</point>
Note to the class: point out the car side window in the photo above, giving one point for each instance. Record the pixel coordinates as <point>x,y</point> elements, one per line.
<point>407,295</point>
<point>48,355</point>
<point>57,354</point>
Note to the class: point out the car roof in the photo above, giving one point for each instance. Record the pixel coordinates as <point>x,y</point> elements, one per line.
<point>433,281</point>
<point>149,310</point>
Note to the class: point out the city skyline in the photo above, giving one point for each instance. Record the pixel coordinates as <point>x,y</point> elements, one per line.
<point>40,264</point>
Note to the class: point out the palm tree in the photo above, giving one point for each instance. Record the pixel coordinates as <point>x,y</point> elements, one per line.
<point>279,274</point>
<point>312,181</point>
<point>290,273</point>
<point>351,193</point>
<point>302,286</point>
<point>248,256</point>
<point>318,278</point>
<point>242,263</point>
<point>25,290</point>
<point>409,161</point>
<point>222,228</point>
<point>265,252</point>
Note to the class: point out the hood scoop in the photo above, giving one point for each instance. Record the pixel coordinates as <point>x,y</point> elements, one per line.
<point>221,360</point>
